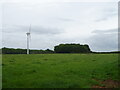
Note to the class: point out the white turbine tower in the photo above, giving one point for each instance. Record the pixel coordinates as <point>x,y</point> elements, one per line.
<point>28,39</point>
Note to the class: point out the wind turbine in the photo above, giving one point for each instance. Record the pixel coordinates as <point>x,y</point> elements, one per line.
<point>28,39</point>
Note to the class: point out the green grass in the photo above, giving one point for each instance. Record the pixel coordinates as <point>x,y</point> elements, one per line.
<point>58,70</point>
<point>0,71</point>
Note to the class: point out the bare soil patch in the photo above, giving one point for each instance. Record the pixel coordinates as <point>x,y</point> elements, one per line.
<point>107,84</point>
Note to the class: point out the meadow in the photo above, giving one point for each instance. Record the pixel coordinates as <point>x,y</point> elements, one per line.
<point>60,71</point>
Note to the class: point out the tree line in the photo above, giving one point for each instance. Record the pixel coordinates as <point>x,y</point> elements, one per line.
<point>23,51</point>
<point>72,48</point>
<point>61,48</point>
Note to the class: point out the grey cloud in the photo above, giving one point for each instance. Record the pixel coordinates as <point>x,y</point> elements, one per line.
<point>14,36</point>
<point>34,29</point>
<point>14,28</point>
<point>65,19</point>
<point>46,30</point>
<point>52,20</point>
<point>105,31</point>
<point>104,41</point>
<point>101,19</point>
<point>107,14</point>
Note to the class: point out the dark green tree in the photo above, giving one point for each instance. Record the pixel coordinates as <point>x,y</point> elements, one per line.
<point>72,48</point>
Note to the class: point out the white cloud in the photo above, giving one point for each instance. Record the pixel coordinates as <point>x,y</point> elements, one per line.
<point>54,23</point>
<point>0,25</point>
<point>44,1</point>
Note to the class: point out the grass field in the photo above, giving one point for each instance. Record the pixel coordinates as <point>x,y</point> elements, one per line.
<point>59,70</point>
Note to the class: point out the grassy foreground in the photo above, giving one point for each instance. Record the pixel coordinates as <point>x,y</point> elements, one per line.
<point>58,70</point>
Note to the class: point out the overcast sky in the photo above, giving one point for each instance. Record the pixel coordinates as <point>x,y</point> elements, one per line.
<point>54,22</point>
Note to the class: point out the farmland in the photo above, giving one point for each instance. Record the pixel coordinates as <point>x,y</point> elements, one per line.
<point>59,70</point>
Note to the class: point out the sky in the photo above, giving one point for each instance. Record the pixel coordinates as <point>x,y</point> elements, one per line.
<point>92,22</point>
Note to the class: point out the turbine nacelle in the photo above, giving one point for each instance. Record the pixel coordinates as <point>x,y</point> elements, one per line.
<point>28,33</point>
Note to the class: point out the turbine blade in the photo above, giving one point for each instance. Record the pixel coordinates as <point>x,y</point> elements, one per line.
<point>30,32</point>
<point>30,29</point>
<point>30,38</point>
